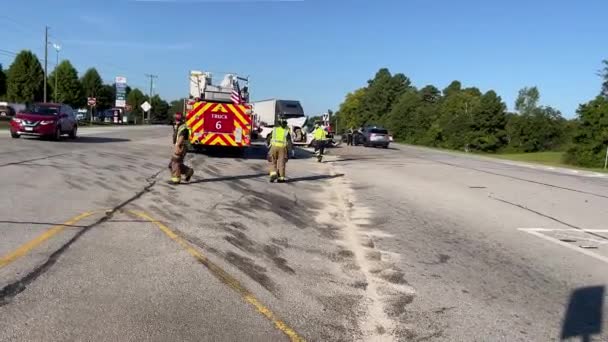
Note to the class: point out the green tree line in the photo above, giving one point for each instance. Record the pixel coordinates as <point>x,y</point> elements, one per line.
<point>23,82</point>
<point>465,118</point>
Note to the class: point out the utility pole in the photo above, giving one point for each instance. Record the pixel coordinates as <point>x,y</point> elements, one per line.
<point>46,56</point>
<point>152,77</point>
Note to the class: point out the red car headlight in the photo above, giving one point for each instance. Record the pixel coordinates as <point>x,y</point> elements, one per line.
<point>47,122</point>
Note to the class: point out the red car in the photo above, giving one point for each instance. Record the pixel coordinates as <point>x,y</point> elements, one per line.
<point>45,120</point>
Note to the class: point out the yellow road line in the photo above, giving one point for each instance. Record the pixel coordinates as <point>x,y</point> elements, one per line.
<point>37,241</point>
<point>225,278</point>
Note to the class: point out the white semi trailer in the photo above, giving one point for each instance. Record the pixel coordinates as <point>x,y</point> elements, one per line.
<point>268,111</point>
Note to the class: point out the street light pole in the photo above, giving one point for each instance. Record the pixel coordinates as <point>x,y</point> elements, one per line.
<point>57,49</point>
<point>152,77</point>
<point>46,56</point>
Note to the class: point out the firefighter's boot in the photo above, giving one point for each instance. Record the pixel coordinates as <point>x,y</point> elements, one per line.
<point>273,177</point>
<point>282,180</point>
<point>175,180</point>
<point>189,175</point>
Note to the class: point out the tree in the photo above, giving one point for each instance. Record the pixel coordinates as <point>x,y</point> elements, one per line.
<point>488,124</point>
<point>177,106</point>
<point>349,113</point>
<point>25,79</point>
<point>91,83</point>
<point>454,88</point>
<point>400,120</point>
<point>591,138</point>
<point>455,118</point>
<point>604,75</point>
<point>106,97</point>
<point>542,130</point>
<point>69,89</point>
<point>381,95</point>
<point>160,110</point>
<point>135,98</point>
<point>2,83</point>
<point>453,126</point>
<point>535,128</point>
<point>527,100</point>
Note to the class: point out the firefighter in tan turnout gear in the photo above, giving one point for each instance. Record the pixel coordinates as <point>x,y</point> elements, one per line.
<point>280,144</point>
<point>178,168</point>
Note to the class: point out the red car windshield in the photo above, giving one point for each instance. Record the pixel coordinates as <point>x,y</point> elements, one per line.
<point>43,110</point>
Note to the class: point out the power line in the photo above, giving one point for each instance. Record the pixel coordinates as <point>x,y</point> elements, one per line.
<point>105,65</point>
<point>8,52</point>
<point>19,25</point>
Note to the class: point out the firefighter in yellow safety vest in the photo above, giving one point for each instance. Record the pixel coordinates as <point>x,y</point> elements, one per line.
<point>280,144</point>
<point>319,136</point>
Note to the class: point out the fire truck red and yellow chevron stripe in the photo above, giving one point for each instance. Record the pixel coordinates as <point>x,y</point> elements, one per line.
<point>195,121</point>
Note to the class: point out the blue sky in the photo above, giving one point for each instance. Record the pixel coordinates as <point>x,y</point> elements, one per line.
<point>318,50</point>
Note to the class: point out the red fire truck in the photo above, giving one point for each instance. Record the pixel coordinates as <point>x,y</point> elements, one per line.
<point>219,115</point>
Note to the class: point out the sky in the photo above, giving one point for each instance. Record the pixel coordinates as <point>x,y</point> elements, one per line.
<point>316,51</point>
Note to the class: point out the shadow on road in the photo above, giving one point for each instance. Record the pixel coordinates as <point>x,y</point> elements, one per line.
<point>314,178</point>
<point>96,140</point>
<point>80,140</point>
<point>228,178</point>
<point>351,159</point>
<point>584,315</point>
<point>255,152</point>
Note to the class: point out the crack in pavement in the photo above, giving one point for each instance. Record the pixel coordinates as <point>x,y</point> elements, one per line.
<point>34,159</point>
<point>516,178</point>
<point>13,289</point>
<point>549,217</point>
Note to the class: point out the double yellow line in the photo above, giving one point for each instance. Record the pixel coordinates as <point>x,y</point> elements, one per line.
<point>37,241</point>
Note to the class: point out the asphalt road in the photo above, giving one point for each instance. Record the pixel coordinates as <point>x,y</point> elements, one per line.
<point>375,245</point>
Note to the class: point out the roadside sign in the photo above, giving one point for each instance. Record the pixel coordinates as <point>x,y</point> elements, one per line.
<point>146,106</point>
<point>121,91</point>
<point>91,101</point>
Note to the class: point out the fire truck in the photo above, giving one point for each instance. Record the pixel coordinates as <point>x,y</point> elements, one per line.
<point>219,115</point>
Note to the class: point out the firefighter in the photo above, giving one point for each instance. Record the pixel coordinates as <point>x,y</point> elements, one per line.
<point>178,168</point>
<point>319,136</point>
<point>349,137</point>
<point>280,144</point>
<point>178,121</point>
<point>175,125</point>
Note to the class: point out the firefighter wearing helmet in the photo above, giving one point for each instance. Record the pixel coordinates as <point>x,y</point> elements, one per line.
<point>280,144</point>
<point>320,137</point>
<point>181,136</point>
